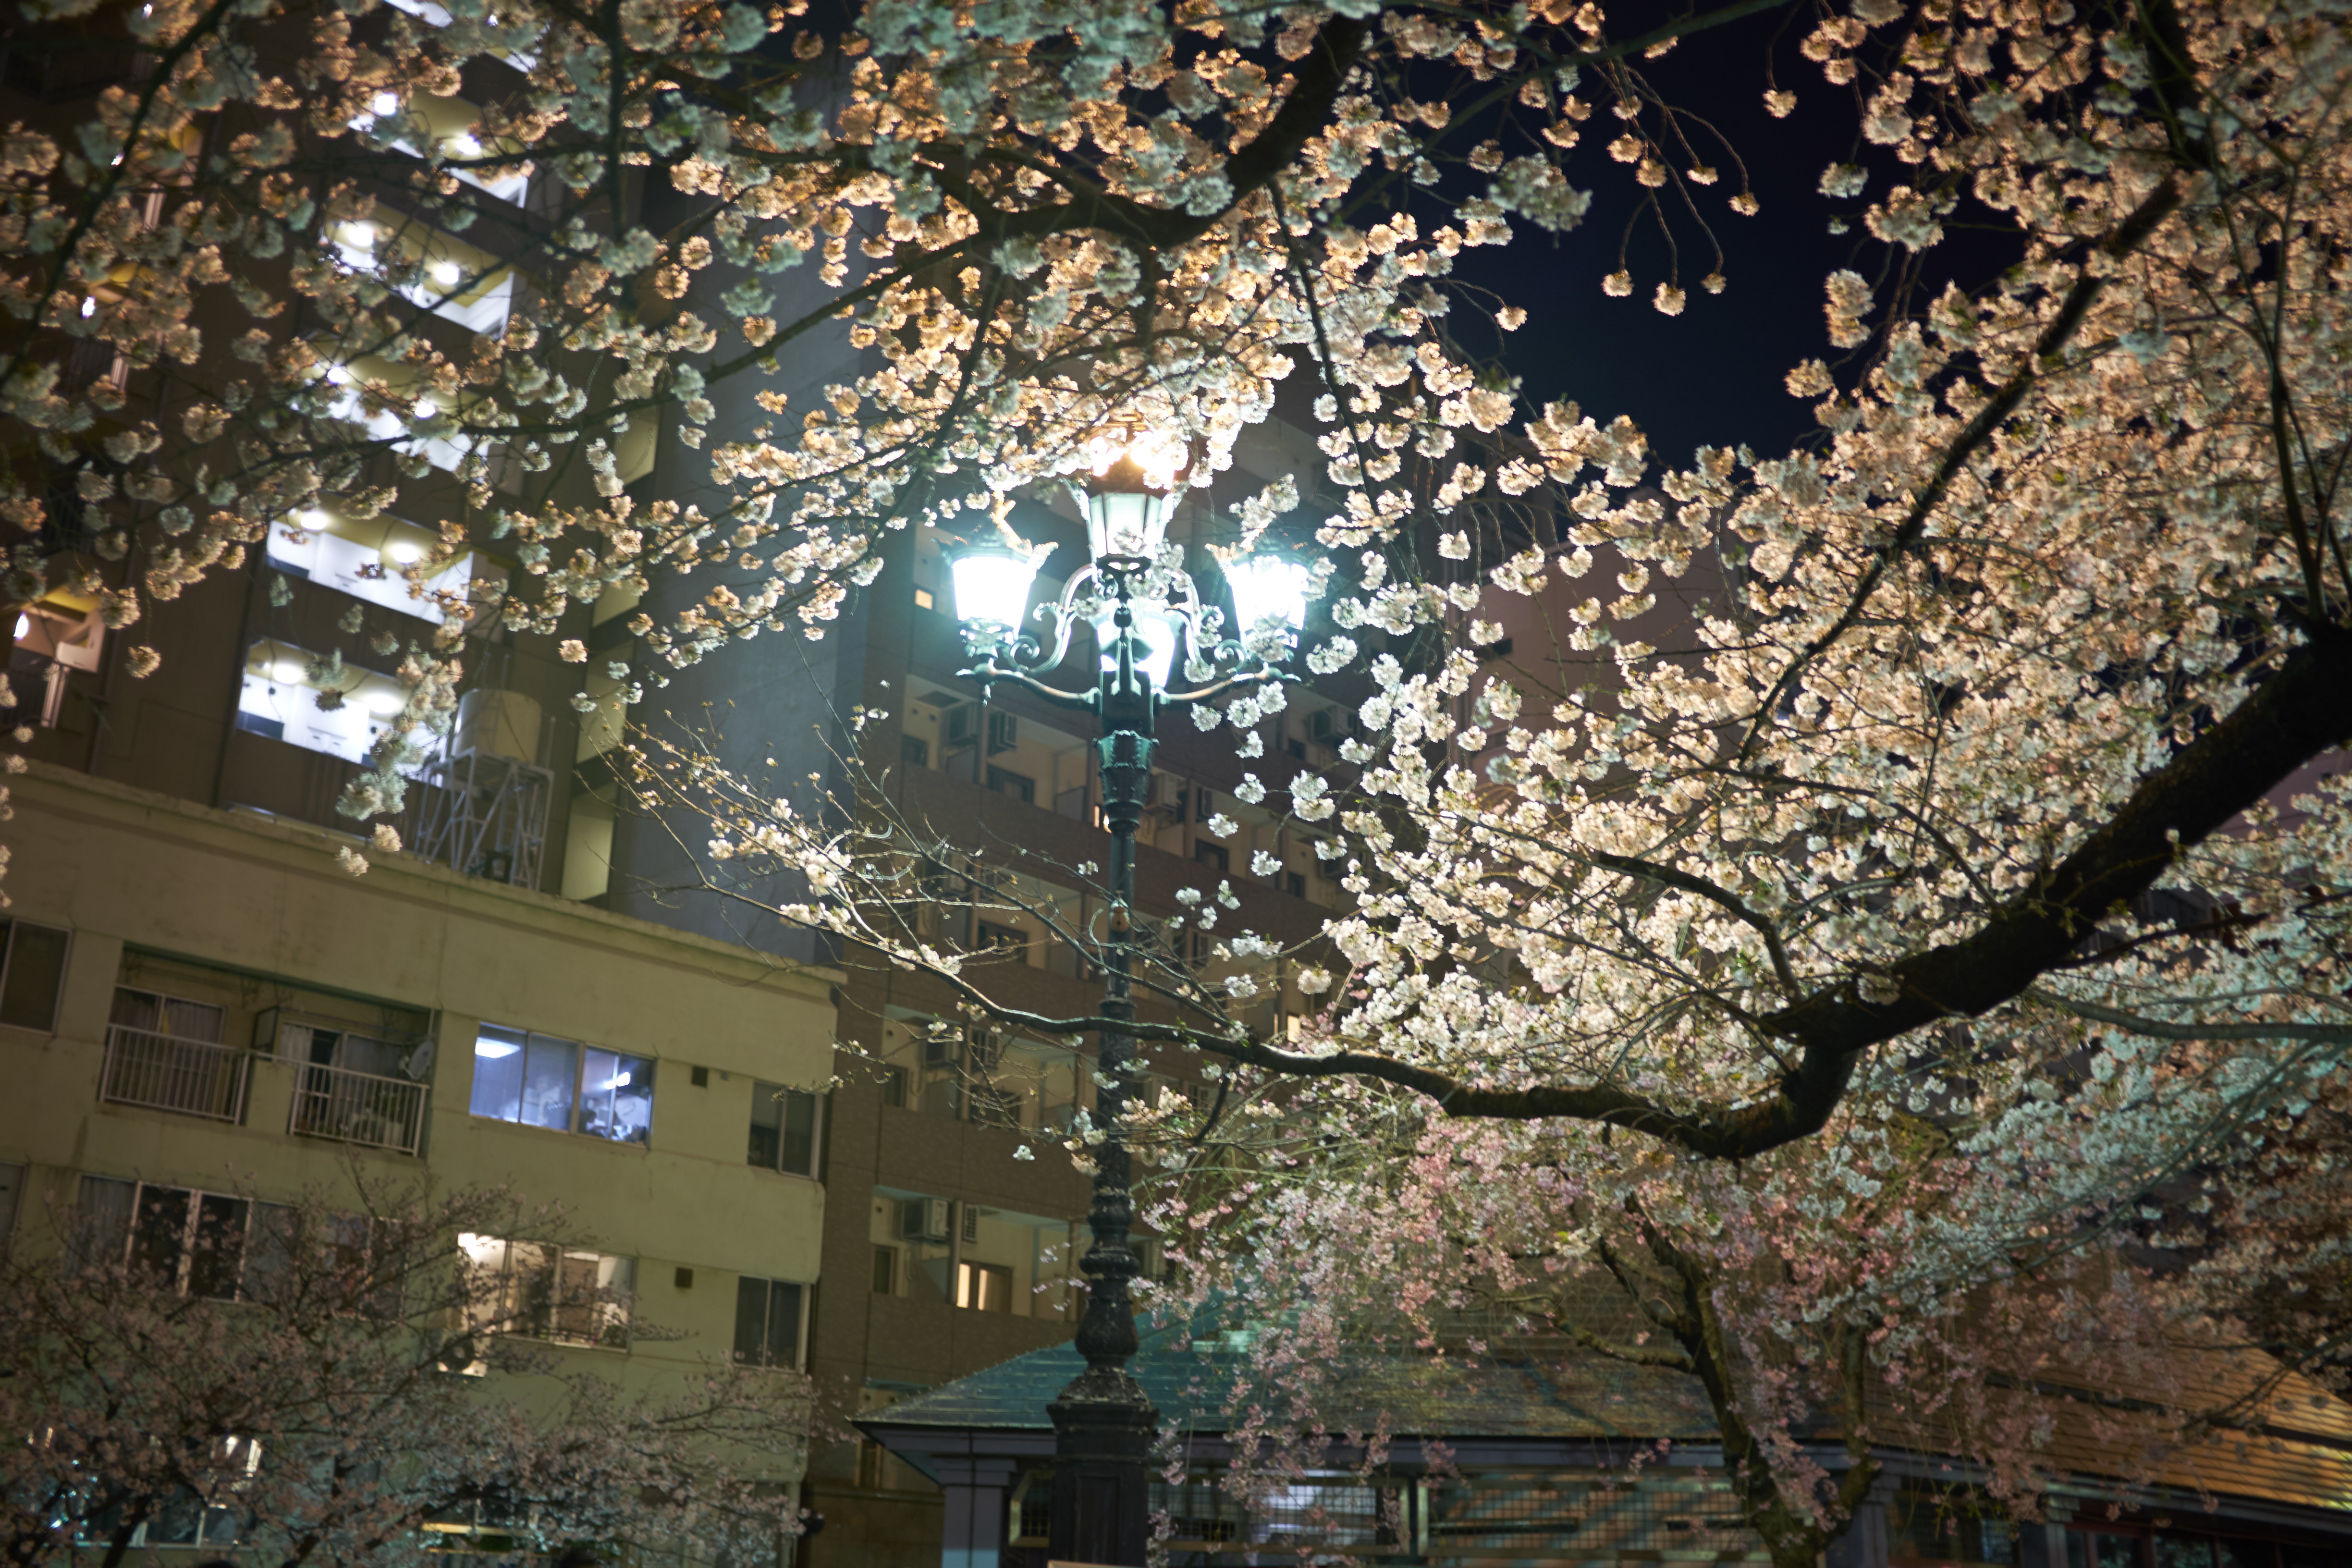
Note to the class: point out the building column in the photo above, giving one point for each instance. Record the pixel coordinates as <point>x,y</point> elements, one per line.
<point>1863,1544</point>
<point>976,1493</point>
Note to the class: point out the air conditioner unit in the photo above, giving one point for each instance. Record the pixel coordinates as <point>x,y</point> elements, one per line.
<point>1330,726</point>
<point>971,1223</point>
<point>941,1051</point>
<point>923,1219</point>
<point>1164,797</point>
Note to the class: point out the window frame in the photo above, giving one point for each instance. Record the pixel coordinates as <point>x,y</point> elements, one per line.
<point>577,1104</point>
<point>9,925</point>
<point>802,1293</point>
<point>775,1094</point>
<point>972,1279</point>
<point>246,1287</point>
<point>542,1320</point>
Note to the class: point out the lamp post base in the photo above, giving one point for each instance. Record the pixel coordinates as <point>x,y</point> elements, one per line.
<point>1102,1477</point>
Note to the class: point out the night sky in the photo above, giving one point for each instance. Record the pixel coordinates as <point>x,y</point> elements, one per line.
<point>1712,374</point>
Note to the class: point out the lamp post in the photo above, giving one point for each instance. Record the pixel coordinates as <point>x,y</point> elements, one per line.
<point>1139,603</point>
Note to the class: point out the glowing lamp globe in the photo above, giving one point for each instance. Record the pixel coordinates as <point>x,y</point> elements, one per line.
<point>1268,593</point>
<point>992,589</point>
<point>1127,505</point>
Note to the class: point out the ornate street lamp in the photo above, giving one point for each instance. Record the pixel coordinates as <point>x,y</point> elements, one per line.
<point>1140,603</point>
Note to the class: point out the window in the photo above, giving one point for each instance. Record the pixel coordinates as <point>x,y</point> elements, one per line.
<point>280,698</point>
<point>1948,1525</point>
<point>1295,883</point>
<point>2099,1549</point>
<point>886,1271</point>
<point>539,1081</point>
<point>1018,786</point>
<point>154,1013</point>
<point>783,1130</point>
<point>914,751</point>
<point>542,1291</point>
<point>1212,856</point>
<point>32,975</point>
<point>214,1244</point>
<point>984,1287</point>
<point>923,600</point>
<point>990,937</point>
<point>767,1322</point>
<point>894,1087</point>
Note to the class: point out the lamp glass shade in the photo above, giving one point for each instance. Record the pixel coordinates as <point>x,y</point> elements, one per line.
<point>992,585</point>
<point>1155,642</point>
<point>1127,523</point>
<point>1267,590</point>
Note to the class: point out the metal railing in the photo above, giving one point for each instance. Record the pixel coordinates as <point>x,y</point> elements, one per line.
<point>358,1107</point>
<point>166,1072</point>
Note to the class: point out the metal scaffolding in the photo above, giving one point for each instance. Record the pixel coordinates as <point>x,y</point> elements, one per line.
<point>486,815</point>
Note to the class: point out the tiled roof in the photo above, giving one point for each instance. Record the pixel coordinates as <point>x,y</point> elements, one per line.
<point>2296,1449</point>
<point>1512,1394</point>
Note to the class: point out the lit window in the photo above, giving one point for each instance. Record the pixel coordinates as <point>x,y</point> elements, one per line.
<point>539,1081</point>
<point>318,705</point>
<point>767,1322</point>
<point>984,1287</point>
<point>367,561</point>
<point>541,1291</point>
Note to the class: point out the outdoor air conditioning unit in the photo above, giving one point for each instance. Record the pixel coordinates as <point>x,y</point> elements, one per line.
<point>923,1219</point>
<point>1165,797</point>
<point>941,1051</point>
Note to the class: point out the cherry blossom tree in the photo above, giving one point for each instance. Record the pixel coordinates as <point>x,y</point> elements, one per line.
<point>322,1384</point>
<point>1907,851</point>
<point>280,224</point>
<point>1911,854</point>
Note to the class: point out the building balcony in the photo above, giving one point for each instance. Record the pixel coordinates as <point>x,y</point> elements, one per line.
<point>363,1107</point>
<point>167,1072</point>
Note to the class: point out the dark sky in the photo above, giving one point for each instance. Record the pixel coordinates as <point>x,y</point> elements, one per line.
<point>1714,373</point>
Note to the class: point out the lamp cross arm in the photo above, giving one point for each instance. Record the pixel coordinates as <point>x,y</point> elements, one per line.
<point>988,672</point>
<point>1238,677</point>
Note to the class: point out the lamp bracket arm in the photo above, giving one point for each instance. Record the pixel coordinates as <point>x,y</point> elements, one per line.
<point>1258,676</point>
<point>988,672</point>
<point>1063,613</point>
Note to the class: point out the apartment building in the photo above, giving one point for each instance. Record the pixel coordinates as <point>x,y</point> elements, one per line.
<point>203,1015</point>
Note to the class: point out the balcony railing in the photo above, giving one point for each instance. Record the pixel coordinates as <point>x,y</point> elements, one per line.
<point>166,1072</point>
<point>358,1107</point>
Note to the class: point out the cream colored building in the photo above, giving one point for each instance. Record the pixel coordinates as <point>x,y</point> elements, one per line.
<point>202,1003</point>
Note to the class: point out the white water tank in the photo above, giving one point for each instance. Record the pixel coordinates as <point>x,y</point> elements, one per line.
<point>502,724</point>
